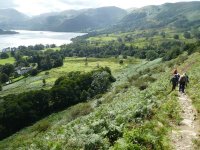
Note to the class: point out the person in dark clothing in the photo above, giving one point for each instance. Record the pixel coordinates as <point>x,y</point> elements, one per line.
<point>174,81</point>
<point>184,79</point>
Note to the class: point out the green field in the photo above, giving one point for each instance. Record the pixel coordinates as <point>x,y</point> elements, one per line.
<point>10,60</point>
<point>70,64</point>
<point>140,38</point>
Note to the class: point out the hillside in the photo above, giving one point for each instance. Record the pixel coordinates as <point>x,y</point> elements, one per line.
<point>108,89</point>
<point>77,20</point>
<point>182,15</point>
<point>11,18</point>
<point>115,119</point>
<point>7,32</point>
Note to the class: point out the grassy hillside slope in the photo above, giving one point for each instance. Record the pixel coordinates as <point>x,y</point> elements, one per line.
<point>178,15</point>
<point>192,67</point>
<point>124,118</point>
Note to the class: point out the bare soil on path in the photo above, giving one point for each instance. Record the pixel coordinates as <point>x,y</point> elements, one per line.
<point>188,129</point>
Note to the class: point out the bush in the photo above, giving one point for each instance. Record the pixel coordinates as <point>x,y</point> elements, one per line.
<point>81,110</point>
<point>42,126</point>
<point>187,35</point>
<point>151,55</point>
<point>34,72</point>
<point>176,36</point>
<point>121,62</point>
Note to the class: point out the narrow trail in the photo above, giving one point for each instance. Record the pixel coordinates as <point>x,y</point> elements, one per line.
<point>187,131</point>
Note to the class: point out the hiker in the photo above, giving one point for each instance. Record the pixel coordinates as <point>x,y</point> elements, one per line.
<point>174,80</point>
<point>184,79</point>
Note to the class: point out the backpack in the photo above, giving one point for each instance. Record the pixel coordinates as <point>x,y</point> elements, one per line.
<point>177,76</point>
<point>183,79</point>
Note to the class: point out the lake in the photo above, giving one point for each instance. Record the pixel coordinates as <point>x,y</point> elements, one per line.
<point>27,38</point>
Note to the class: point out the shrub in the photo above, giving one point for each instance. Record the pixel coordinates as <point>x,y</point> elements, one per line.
<point>121,62</point>
<point>46,73</point>
<point>176,36</point>
<point>42,126</point>
<point>81,110</point>
<point>34,72</point>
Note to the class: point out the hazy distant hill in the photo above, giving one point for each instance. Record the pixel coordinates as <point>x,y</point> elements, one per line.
<point>7,32</point>
<point>78,20</point>
<point>10,18</point>
<point>180,15</point>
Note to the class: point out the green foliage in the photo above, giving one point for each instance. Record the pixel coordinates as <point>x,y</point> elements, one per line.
<point>187,35</point>
<point>33,72</point>
<point>42,126</point>
<point>4,56</point>
<point>29,107</point>
<point>121,62</point>
<point>8,69</point>
<point>151,55</point>
<point>143,116</point>
<point>176,36</point>
<point>172,54</point>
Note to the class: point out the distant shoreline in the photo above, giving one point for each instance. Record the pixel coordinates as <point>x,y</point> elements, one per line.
<point>4,32</point>
<point>31,38</point>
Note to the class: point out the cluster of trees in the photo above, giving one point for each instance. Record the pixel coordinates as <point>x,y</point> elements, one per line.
<point>6,71</point>
<point>4,55</point>
<point>36,47</point>
<point>44,60</point>
<point>18,111</point>
<point>47,61</point>
<point>150,51</point>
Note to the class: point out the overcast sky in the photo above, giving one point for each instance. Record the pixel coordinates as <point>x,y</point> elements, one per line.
<point>35,7</point>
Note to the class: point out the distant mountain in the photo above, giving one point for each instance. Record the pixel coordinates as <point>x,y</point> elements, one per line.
<point>78,20</point>
<point>11,18</point>
<point>7,32</point>
<point>179,15</point>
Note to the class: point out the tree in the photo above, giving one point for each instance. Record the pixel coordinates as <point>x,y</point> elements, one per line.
<point>4,56</point>
<point>176,36</point>
<point>187,35</point>
<point>151,55</point>
<point>34,72</point>
<point>163,34</point>
<point>4,78</point>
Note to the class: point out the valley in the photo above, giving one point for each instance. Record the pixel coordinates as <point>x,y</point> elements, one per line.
<point>107,89</point>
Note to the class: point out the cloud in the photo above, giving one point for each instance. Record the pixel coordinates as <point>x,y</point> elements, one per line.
<point>7,4</point>
<point>35,7</point>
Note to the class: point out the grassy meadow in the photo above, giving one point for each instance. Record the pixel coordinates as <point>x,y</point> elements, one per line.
<point>10,60</point>
<point>140,38</point>
<point>70,64</point>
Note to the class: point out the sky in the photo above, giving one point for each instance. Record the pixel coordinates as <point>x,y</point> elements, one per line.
<point>36,7</point>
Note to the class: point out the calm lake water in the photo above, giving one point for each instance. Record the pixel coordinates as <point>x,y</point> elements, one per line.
<point>27,38</point>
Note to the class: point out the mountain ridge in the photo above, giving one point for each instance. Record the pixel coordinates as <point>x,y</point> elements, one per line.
<point>178,15</point>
